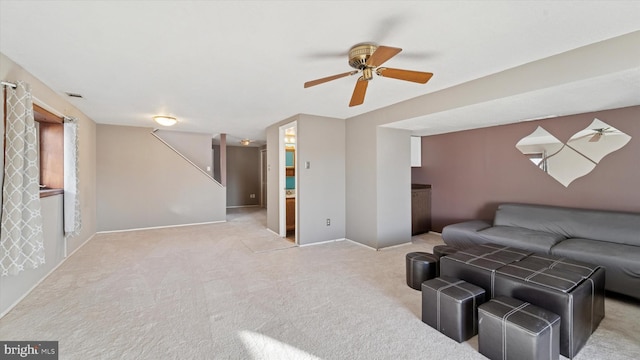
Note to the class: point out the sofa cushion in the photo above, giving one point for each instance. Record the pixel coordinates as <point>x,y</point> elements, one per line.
<point>622,262</point>
<point>464,235</point>
<point>523,238</point>
<point>617,227</point>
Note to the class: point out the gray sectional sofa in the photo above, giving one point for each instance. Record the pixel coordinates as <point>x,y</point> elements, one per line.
<point>606,238</point>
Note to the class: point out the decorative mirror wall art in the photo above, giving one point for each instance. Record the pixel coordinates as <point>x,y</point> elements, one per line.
<point>578,157</point>
<point>598,140</point>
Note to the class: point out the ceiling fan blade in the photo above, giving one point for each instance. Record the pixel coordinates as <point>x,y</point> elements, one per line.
<point>358,93</point>
<point>596,137</point>
<point>382,54</point>
<point>408,75</point>
<point>580,137</point>
<point>328,78</point>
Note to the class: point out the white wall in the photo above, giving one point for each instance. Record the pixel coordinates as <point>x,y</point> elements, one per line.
<point>378,182</point>
<point>13,288</point>
<point>321,188</point>
<point>143,183</point>
<point>359,177</point>
<point>393,186</point>
<point>361,182</point>
<point>320,193</point>
<point>191,145</point>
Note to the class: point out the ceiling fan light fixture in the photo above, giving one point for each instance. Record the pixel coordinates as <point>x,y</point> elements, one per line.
<point>165,120</point>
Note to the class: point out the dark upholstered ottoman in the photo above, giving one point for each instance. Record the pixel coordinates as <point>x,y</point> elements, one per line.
<point>514,329</point>
<point>577,296</point>
<point>585,270</point>
<point>421,266</point>
<point>478,264</point>
<point>443,250</point>
<point>450,306</point>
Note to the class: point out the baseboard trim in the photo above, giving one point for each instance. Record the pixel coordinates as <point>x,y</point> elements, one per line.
<point>322,242</point>
<point>395,246</point>
<point>160,227</point>
<point>361,244</point>
<point>79,247</point>
<point>380,249</point>
<point>15,303</point>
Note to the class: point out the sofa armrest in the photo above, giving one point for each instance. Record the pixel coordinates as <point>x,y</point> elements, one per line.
<point>465,234</point>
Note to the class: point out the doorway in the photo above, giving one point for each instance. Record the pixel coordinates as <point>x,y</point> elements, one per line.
<point>263,178</point>
<point>289,199</point>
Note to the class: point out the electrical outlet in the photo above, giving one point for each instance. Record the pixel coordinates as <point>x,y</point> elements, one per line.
<point>328,222</point>
<point>252,196</point>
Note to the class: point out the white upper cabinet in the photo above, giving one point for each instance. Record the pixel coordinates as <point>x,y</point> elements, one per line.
<point>416,151</point>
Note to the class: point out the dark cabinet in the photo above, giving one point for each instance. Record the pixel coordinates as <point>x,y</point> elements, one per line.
<point>420,208</point>
<point>291,214</point>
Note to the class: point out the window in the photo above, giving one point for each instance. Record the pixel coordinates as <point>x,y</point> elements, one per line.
<point>50,132</point>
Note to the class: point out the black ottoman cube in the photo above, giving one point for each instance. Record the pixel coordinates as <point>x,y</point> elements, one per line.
<point>443,250</point>
<point>421,266</point>
<point>451,306</point>
<point>586,271</point>
<point>478,264</point>
<point>514,329</point>
<point>571,295</point>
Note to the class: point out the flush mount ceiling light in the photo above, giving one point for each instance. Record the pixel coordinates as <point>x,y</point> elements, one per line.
<point>245,142</point>
<point>165,120</point>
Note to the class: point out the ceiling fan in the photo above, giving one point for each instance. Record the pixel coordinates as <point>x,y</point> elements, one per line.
<point>600,132</point>
<point>366,59</point>
<point>597,133</point>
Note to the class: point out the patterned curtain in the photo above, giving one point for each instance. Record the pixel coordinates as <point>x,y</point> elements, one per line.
<point>2,127</point>
<point>21,238</point>
<point>72,220</point>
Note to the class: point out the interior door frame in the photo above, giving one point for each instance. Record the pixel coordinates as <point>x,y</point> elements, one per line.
<point>263,178</point>
<point>282,197</point>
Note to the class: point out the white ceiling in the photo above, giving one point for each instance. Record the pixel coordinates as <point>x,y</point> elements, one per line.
<point>236,67</point>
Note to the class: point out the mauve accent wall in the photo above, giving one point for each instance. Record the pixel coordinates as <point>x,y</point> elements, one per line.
<point>473,171</point>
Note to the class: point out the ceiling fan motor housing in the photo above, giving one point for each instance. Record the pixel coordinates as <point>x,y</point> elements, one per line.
<point>360,53</point>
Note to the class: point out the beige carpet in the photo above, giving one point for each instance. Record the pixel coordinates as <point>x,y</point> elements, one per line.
<point>202,292</point>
